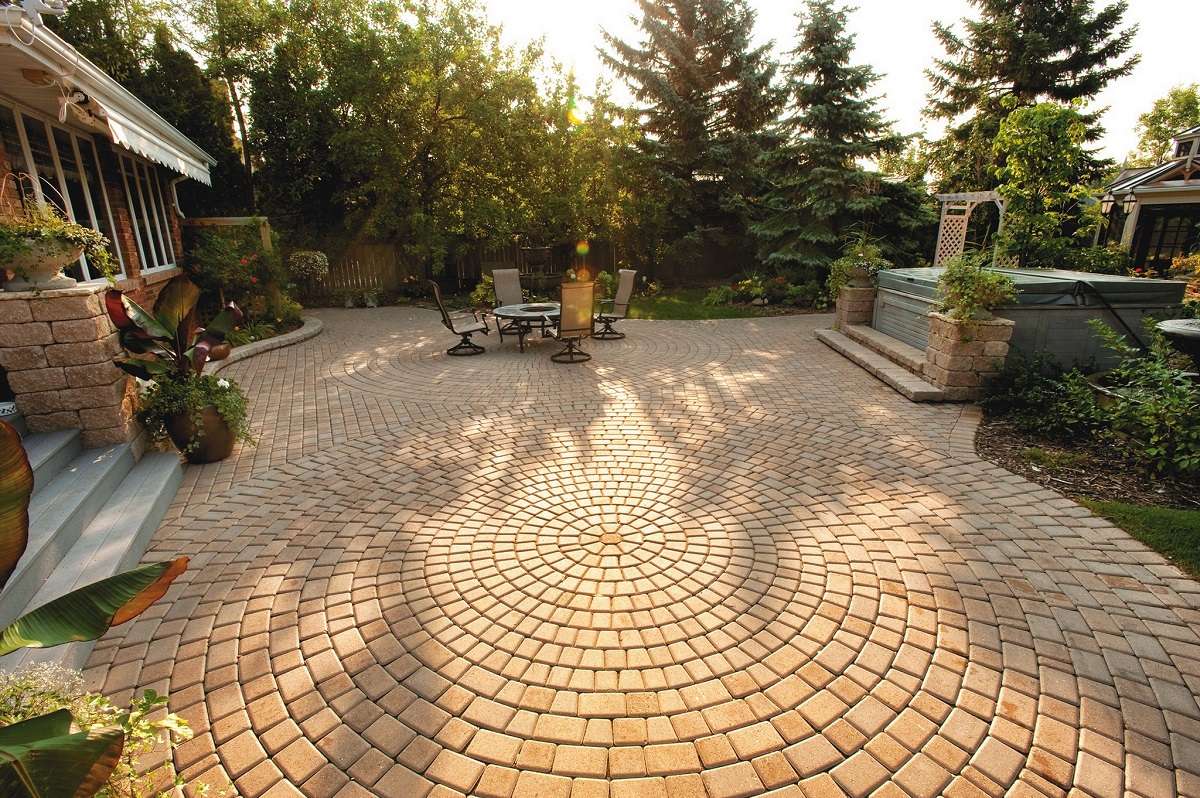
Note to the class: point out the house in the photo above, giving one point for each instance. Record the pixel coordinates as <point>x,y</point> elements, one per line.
<point>1154,212</point>
<point>91,148</point>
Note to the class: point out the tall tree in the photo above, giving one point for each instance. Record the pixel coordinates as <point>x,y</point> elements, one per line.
<point>704,100</point>
<point>820,190</point>
<point>1177,111</point>
<point>1021,51</point>
<point>115,36</point>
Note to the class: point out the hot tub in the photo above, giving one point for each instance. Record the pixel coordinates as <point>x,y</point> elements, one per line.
<point>1051,310</point>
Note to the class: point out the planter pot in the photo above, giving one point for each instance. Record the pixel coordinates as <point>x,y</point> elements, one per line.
<point>215,443</point>
<point>1184,335</point>
<point>40,267</point>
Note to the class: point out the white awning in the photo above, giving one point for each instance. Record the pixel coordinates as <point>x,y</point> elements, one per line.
<point>130,136</point>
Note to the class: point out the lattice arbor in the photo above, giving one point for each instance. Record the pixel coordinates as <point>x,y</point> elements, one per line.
<point>956,216</point>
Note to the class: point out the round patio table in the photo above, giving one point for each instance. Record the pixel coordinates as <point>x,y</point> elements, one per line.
<point>523,318</point>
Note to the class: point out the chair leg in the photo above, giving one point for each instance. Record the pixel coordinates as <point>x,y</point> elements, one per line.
<point>607,333</point>
<point>571,353</point>
<point>465,348</point>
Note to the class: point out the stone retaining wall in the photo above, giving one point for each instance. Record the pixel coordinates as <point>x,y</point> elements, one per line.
<point>854,306</point>
<point>57,349</point>
<point>964,356</point>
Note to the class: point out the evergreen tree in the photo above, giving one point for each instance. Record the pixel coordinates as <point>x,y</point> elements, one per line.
<point>705,101</point>
<point>1022,52</point>
<point>820,191</point>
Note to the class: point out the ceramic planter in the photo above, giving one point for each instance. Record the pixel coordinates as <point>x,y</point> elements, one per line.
<point>40,267</point>
<point>215,441</point>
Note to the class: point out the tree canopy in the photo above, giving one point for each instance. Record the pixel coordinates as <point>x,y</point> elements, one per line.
<point>1179,110</point>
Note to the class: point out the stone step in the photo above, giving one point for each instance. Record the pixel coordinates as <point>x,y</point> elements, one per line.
<point>893,349</point>
<point>113,542</point>
<point>49,453</point>
<point>9,413</point>
<point>58,514</point>
<point>898,377</point>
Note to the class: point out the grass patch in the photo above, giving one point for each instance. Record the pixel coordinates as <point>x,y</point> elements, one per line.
<point>1052,458</point>
<point>687,304</point>
<point>1175,534</point>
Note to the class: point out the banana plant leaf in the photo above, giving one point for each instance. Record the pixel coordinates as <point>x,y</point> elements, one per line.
<point>133,316</point>
<point>16,486</point>
<point>176,302</point>
<point>41,758</point>
<point>137,342</point>
<point>88,612</point>
<point>224,322</point>
<point>142,369</point>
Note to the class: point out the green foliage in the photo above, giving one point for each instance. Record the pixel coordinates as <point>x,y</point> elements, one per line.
<point>1173,533</point>
<point>759,289</point>
<point>308,265</point>
<point>1037,396</point>
<point>484,293</point>
<point>719,295</point>
<point>861,257</point>
<point>819,189</point>
<point>232,266</point>
<point>1018,52</point>
<point>606,284</point>
<point>1041,152</point>
<point>164,399</point>
<point>969,290</point>
<point>44,223</point>
<point>1169,115</point>
<point>1107,259</point>
<point>40,689</point>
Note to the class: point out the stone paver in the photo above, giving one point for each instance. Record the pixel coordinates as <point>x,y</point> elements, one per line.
<point>717,560</point>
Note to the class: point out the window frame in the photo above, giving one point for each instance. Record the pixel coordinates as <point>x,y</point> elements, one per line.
<point>20,114</point>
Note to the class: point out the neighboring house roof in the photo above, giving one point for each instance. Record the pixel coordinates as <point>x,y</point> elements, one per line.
<point>106,105</point>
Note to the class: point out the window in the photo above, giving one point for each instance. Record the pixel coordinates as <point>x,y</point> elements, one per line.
<point>143,189</point>
<point>65,173</point>
<point>1165,231</point>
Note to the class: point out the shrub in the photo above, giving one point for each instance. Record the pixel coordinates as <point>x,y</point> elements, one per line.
<point>719,295</point>
<point>1111,259</point>
<point>859,255</point>
<point>38,689</point>
<point>805,294</point>
<point>308,265</point>
<point>970,291</point>
<point>651,287</point>
<point>1038,397</point>
<point>484,293</point>
<point>606,285</point>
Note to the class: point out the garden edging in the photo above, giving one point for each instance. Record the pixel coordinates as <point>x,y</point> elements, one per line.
<point>310,329</point>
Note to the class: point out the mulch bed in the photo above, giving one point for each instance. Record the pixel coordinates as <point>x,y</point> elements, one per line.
<point>1093,470</point>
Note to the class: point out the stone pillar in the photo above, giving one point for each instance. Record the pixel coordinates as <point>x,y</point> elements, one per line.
<point>854,306</point>
<point>964,356</point>
<point>57,348</point>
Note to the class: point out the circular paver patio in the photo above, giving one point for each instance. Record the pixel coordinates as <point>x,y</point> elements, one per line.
<point>717,560</point>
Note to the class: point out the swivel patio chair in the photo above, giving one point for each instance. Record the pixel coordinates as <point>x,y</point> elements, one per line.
<point>620,306</point>
<point>575,322</point>
<point>507,285</point>
<point>462,326</point>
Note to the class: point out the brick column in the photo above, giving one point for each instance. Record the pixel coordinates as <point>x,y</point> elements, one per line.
<point>58,348</point>
<point>854,306</point>
<point>964,356</point>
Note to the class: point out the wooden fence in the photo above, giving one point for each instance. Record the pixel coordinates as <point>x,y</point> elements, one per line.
<point>369,267</point>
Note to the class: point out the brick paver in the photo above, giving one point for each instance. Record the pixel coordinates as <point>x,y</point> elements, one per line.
<point>717,560</point>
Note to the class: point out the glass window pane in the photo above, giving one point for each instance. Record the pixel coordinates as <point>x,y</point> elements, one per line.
<point>99,194</point>
<point>138,212</point>
<point>161,196</point>
<point>43,161</point>
<point>14,153</point>
<point>152,225</point>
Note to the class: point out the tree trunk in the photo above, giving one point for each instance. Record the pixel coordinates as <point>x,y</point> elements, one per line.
<point>246,159</point>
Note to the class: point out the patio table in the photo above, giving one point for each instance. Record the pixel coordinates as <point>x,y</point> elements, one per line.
<point>525,317</point>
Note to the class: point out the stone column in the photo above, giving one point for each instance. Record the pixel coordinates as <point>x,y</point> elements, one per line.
<point>964,356</point>
<point>57,348</point>
<point>854,306</point>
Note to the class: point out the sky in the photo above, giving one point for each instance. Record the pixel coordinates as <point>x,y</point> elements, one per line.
<point>893,36</point>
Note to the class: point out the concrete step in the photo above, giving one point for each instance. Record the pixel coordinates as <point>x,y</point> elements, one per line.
<point>113,542</point>
<point>898,377</point>
<point>58,514</point>
<point>893,349</point>
<point>49,453</point>
<point>9,413</point>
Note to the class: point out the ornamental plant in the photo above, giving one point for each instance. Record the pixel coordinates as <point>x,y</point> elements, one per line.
<point>308,265</point>
<point>44,223</point>
<point>970,291</point>
<point>859,256</point>
<point>48,753</point>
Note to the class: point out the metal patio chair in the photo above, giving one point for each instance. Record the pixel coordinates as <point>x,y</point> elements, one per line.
<point>462,326</point>
<point>620,306</point>
<point>507,285</point>
<point>575,322</point>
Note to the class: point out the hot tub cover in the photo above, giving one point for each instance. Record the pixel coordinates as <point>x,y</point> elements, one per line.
<point>1049,286</point>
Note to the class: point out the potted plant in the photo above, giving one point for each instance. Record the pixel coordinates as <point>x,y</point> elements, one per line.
<point>860,263</point>
<point>202,414</point>
<point>969,292</point>
<point>39,243</point>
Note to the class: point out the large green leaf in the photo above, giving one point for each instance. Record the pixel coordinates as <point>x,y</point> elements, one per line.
<point>16,486</point>
<point>88,612</point>
<point>224,322</point>
<point>176,302</point>
<point>41,758</point>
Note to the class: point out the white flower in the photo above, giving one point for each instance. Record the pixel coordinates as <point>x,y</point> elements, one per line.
<point>144,386</point>
<point>222,383</point>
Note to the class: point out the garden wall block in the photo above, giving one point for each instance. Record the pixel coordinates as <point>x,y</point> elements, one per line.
<point>57,348</point>
<point>964,356</point>
<point>854,306</point>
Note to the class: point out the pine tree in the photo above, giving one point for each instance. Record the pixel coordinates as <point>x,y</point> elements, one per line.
<point>820,192</point>
<point>1018,53</point>
<point>705,99</point>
